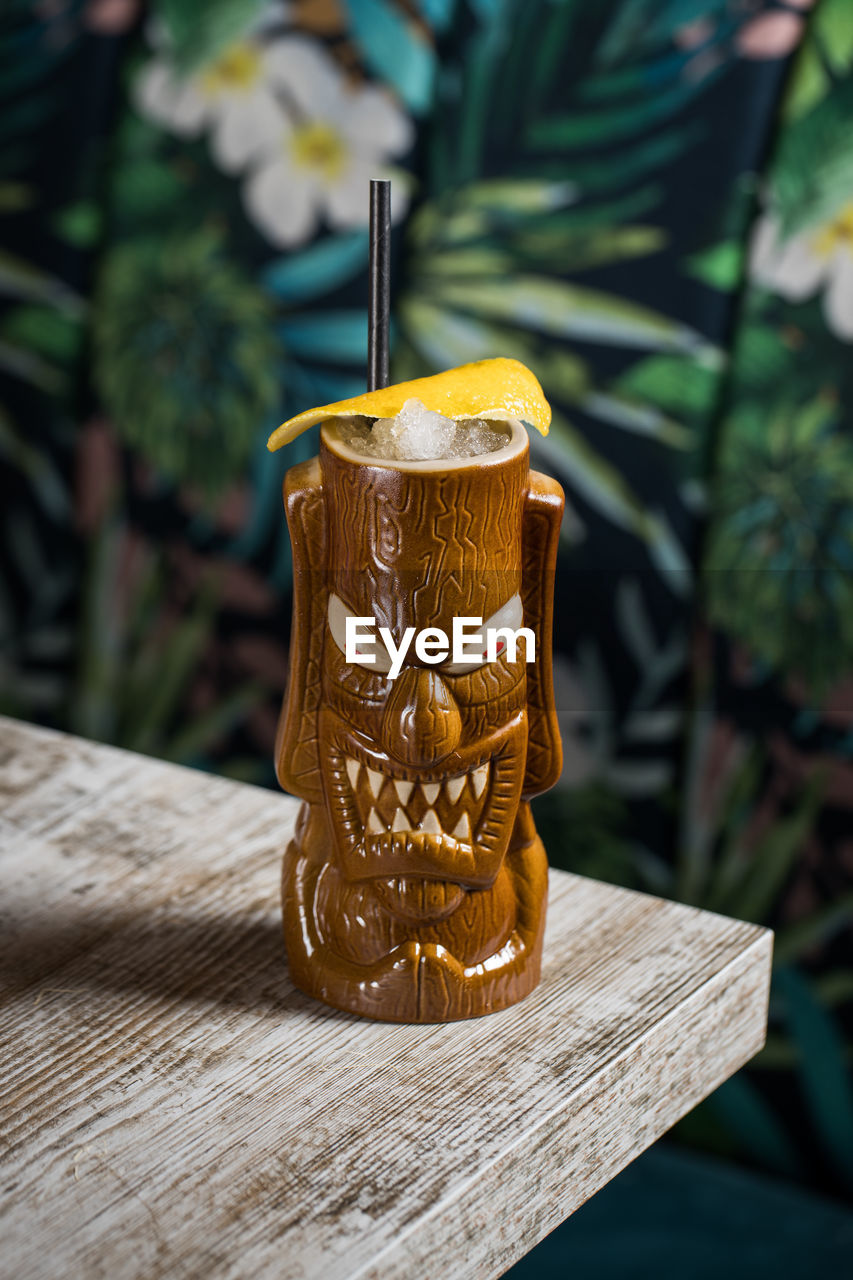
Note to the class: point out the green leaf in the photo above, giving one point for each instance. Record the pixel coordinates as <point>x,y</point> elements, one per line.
<point>596,214</point>
<point>599,173</point>
<point>568,311</point>
<point>832,29</point>
<point>825,55</point>
<point>445,338</point>
<point>555,34</point>
<point>808,84</point>
<point>22,363</point>
<point>600,483</point>
<point>638,419</point>
<point>767,866</point>
<point>614,124</point>
<point>144,189</point>
<point>438,13</point>
<point>582,249</point>
<point>45,331</point>
<point>481,208</point>
<point>645,24</point>
<point>80,224</point>
<point>682,386</point>
<point>339,336</point>
<point>721,267</point>
<point>518,195</point>
<point>395,48</point>
<point>447,224</point>
<point>36,465</point>
<point>466,262</point>
<point>761,359</point>
<point>478,105</point>
<point>198,33</point>
<point>695,859</point>
<point>176,313</point>
<point>21,279</point>
<point>813,168</point>
<point>319,269</point>
<point>178,659</point>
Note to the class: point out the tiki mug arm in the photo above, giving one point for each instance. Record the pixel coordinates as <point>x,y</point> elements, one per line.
<point>543,512</point>
<point>296,756</point>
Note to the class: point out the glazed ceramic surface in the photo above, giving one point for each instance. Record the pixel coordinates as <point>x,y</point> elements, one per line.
<point>414,889</point>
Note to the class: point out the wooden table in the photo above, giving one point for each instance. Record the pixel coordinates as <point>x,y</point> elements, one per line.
<point>171,1107</point>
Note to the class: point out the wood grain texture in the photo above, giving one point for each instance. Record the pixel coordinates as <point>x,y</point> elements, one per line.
<point>173,1107</point>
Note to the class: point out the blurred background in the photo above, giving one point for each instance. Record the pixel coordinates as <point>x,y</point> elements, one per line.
<point>650,202</point>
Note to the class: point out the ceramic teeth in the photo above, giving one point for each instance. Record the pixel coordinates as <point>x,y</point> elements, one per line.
<point>374,823</point>
<point>430,822</point>
<point>450,789</point>
<point>353,770</point>
<point>400,822</point>
<point>454,787</point>
<point>462,830</point>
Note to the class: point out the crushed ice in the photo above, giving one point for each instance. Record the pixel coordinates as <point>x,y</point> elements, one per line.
<point>418,433</point>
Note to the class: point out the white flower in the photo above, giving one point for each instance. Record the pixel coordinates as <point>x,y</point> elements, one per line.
<point>335,137</point>
<point>232,95</point>
<point>819,258</point>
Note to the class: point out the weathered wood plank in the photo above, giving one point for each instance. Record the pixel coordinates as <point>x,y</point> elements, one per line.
<point>171,1106</point>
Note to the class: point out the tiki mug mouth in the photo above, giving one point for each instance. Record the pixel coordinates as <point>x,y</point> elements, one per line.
<point>449,823</point>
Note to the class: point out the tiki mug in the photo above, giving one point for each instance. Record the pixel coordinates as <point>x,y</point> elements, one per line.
<point>414,888</point>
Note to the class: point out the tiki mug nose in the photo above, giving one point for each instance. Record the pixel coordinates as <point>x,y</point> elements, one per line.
<point>421,724</point>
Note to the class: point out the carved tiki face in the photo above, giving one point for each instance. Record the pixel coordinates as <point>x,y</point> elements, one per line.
<point>414,887</point>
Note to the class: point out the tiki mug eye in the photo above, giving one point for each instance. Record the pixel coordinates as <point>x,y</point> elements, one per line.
<point>508,617</point>
<point>371,652</point>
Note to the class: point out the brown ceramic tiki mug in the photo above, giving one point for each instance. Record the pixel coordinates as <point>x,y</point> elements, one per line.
<point>414,888</point>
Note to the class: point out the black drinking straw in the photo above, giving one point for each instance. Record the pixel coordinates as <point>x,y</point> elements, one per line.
<point>379,289</point>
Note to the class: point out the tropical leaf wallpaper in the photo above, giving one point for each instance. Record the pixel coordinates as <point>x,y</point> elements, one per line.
<point>650,202</point>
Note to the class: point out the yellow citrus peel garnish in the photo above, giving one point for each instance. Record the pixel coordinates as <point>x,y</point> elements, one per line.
<point>499,389</point>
